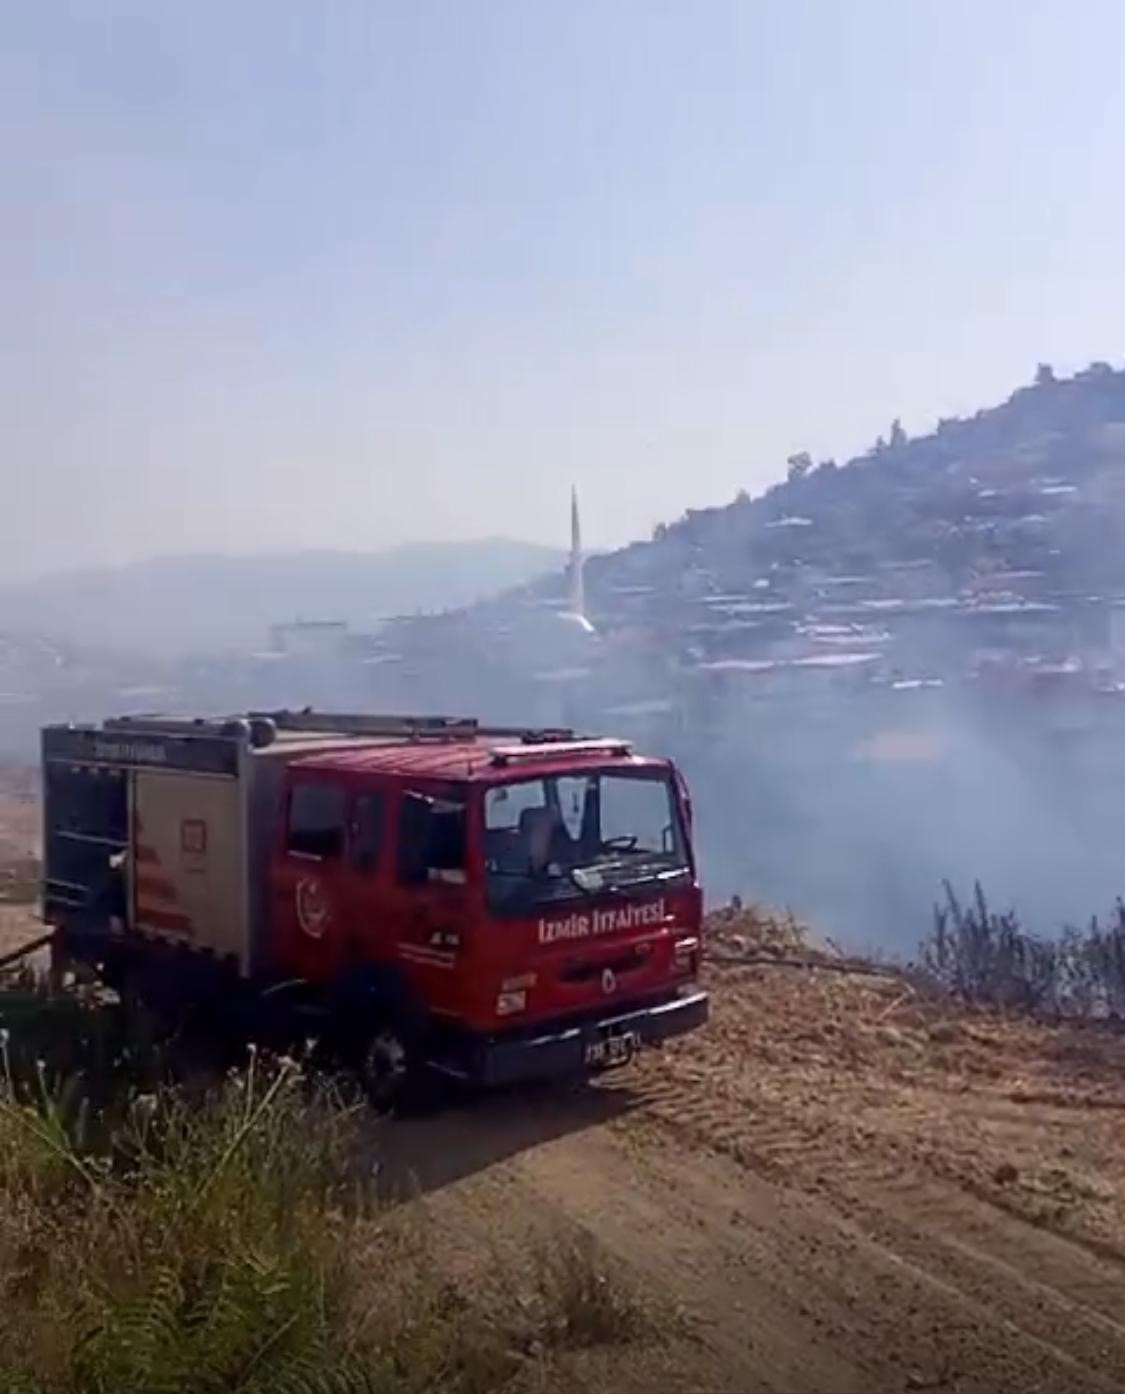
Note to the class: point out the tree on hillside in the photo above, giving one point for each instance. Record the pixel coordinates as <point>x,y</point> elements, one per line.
<point>1044,375</point>
<point>898,435</point>
<point>799,465</point>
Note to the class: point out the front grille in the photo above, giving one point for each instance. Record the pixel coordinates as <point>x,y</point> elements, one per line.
<point>585,970</point>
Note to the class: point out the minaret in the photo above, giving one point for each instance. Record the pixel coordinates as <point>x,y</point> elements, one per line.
<point>577,561</point>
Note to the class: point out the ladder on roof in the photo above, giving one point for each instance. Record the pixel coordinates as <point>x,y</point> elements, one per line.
<point>367,723</point>
<point>310,721</point>
<point>149,724</point>
<point>406,727</point>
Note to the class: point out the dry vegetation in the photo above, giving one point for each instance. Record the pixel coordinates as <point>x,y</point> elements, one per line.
<point>149,1243</point>
<point>980,956</point>
<point>982,1064</point>
<point>19,842</point>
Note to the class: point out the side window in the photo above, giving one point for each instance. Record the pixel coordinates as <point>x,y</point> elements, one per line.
<point>365,842</point>
<point>447,840</point>
<point>504,804</point>
<point>508,809</point>
<point>316,820</point>
<point>639,812</point>
<point>431,840</point>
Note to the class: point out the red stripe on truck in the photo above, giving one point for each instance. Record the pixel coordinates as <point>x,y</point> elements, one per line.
<point>172,921</point>
<point>155,887</point>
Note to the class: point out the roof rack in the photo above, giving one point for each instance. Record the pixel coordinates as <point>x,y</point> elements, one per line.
<point>368,723</point>
<point>407,727</point>
<point>155,725</point>
<point>308,720</point>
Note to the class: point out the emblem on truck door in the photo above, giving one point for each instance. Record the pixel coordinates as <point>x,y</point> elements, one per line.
<point>312,907</point>
<point>609,981</point>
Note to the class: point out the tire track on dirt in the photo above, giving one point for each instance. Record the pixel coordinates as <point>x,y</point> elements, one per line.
<point>795,1289</point>
<point>1044,1292</point>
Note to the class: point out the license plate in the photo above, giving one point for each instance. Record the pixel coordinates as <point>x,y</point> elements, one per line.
<point>612,1050</point>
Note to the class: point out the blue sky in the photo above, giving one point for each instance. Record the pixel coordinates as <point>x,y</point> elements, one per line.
<point>348,274</point>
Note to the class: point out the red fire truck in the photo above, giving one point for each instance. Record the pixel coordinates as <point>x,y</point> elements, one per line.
<point>426,894</point>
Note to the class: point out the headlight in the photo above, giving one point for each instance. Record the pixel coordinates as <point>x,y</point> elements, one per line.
<point>685,955</point>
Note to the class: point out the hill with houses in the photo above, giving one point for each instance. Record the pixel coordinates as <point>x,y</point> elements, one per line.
<point>999,536</point>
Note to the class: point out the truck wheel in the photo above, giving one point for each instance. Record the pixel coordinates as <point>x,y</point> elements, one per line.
<point>386,1070</point>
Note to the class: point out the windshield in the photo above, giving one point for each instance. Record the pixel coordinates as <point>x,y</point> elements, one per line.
<point>564,836</point>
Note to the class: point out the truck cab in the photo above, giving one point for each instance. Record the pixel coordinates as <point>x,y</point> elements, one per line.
<point>494,905</point>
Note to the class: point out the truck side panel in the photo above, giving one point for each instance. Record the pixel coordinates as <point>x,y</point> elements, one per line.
<point>187,868</point>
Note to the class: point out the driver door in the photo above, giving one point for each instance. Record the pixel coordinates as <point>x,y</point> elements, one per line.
<point>307,879</point>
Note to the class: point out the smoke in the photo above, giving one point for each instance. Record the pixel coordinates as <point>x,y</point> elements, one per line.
<point>853,810</point>
<point>850,806</point>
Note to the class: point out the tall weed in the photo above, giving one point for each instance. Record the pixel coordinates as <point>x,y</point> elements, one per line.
<point>981,955</point>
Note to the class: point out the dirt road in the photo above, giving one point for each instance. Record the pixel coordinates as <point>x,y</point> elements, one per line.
<point>841,1189</point>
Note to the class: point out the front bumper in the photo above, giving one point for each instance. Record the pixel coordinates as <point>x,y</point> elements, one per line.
<point>566,1050</point>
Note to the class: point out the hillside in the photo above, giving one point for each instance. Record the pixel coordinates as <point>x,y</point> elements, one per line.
<point>212,602</point>
<point>1033,485</point>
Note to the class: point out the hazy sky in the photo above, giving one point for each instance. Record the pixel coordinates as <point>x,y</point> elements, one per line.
<point>289,272</point>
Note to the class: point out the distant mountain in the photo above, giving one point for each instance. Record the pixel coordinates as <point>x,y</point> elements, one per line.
<point>211,603</point>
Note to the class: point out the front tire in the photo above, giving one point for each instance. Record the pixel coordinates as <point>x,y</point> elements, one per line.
<point>387,1070</point>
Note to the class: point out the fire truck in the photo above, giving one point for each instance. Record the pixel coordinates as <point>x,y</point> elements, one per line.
<point>425,894</point>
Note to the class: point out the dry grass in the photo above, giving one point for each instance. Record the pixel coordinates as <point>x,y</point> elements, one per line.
<point>982,956</point>
<point>152,1245</point>
<point>736,932</point>
<point>583,1301</point>
<point>19,880</point>
<point>974,954</point>
<point>19,837</point>
<point>875,1075</point>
